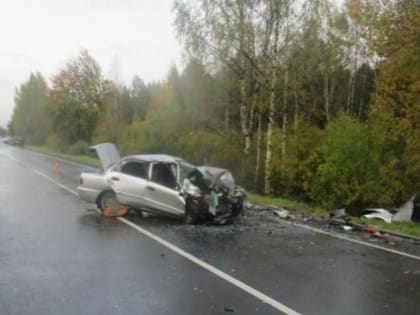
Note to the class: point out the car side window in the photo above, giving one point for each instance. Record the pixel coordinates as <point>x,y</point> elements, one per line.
<point>164,174</point>
<point>135,168</point>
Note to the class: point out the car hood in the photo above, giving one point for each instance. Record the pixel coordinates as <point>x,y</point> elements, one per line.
<point>208,178</point>
<point>107,152</point>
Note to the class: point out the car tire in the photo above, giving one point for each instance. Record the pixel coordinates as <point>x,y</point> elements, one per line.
<point>190,216</point>
<point>110,206</point>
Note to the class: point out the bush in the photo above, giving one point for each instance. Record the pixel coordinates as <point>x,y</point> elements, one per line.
<point>349,172</point>
<point>80,147</point>
<point>293,174</point>
<point>203,147</point>
<point>55,142</point>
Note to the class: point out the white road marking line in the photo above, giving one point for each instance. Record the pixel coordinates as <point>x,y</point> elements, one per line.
<point>241,285</point>
<point>342,237</point>
<point>259,295</point>
<point>47,177</point>
<point>56,182</point>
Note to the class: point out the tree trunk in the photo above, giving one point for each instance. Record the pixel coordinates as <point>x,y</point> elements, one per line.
<point>269,150</point>
<point>284,113</point>
<point>361,103</point>
<point>296,115</point>
<point>257,163</point>
<point>244,117</point>
<point>227,114</point>
<point>350,93</point>
<point>252,113</point>
<point>326,97</point>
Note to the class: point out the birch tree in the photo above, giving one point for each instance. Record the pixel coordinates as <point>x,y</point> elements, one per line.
<point>276,43</point>
<point>221,33</point>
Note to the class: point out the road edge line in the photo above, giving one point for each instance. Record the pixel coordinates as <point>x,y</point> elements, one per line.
<point>239,284</point>
<point>346,238</point>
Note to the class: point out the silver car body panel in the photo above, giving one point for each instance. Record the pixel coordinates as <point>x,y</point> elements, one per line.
<point>129,189</point>
<point>166,199</point>
<point>94,184</point>
<point>89,195</point>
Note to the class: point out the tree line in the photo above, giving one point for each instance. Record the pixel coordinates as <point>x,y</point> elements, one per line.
<point>298,98</point>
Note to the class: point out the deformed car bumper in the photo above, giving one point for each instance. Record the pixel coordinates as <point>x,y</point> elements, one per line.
<point>88,195</point>
<point>211,195</point>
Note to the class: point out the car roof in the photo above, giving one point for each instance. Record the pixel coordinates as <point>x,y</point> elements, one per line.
<point>154,158</point>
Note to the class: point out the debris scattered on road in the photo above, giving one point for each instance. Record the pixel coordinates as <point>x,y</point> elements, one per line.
<point>346,228</point>
<point>283,213</point>
<point>372,230</point>
<point>229,309</point>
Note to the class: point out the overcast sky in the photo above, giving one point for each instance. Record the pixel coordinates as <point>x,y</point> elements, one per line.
<point>134,37</point>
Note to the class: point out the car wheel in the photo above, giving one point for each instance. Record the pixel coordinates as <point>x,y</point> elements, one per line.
<point>190,216</point>
<point>110,206</point>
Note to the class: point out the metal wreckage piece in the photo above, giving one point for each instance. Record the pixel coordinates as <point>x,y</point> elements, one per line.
<point>403,213</point>
<point>211,195</point>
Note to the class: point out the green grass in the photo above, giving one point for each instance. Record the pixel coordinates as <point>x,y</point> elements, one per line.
<point>302,207</point>
<point>85,159</point>
<point>410,228</point>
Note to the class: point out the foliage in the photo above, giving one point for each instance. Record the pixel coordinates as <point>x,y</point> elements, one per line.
<point>149,136</point>
<point>80,147</point>
<point>55,142</point>
<point>349,170</point>
<point>75,99</point>
<point>293,174</point>
<point>203,147</point>
<point>29,116</point>
<point>393,29</point>
<point>325,99</point>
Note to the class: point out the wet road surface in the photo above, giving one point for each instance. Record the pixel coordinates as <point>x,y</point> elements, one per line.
<point>56,257</point>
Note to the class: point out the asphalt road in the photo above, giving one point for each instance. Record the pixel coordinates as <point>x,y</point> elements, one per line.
<point>59,257</point>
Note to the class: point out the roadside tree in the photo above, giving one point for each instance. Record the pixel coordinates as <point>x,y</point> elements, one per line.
<point>75,99</point>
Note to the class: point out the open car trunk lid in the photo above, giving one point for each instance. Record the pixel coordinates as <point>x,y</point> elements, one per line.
<point>107,152</point>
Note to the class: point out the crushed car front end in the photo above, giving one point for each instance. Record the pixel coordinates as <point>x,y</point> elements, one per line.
<point>211,195</point>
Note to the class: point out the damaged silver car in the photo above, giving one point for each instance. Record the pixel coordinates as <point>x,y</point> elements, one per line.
<point>161,184</point>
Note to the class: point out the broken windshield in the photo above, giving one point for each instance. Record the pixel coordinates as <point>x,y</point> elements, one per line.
<point>184,169</point>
